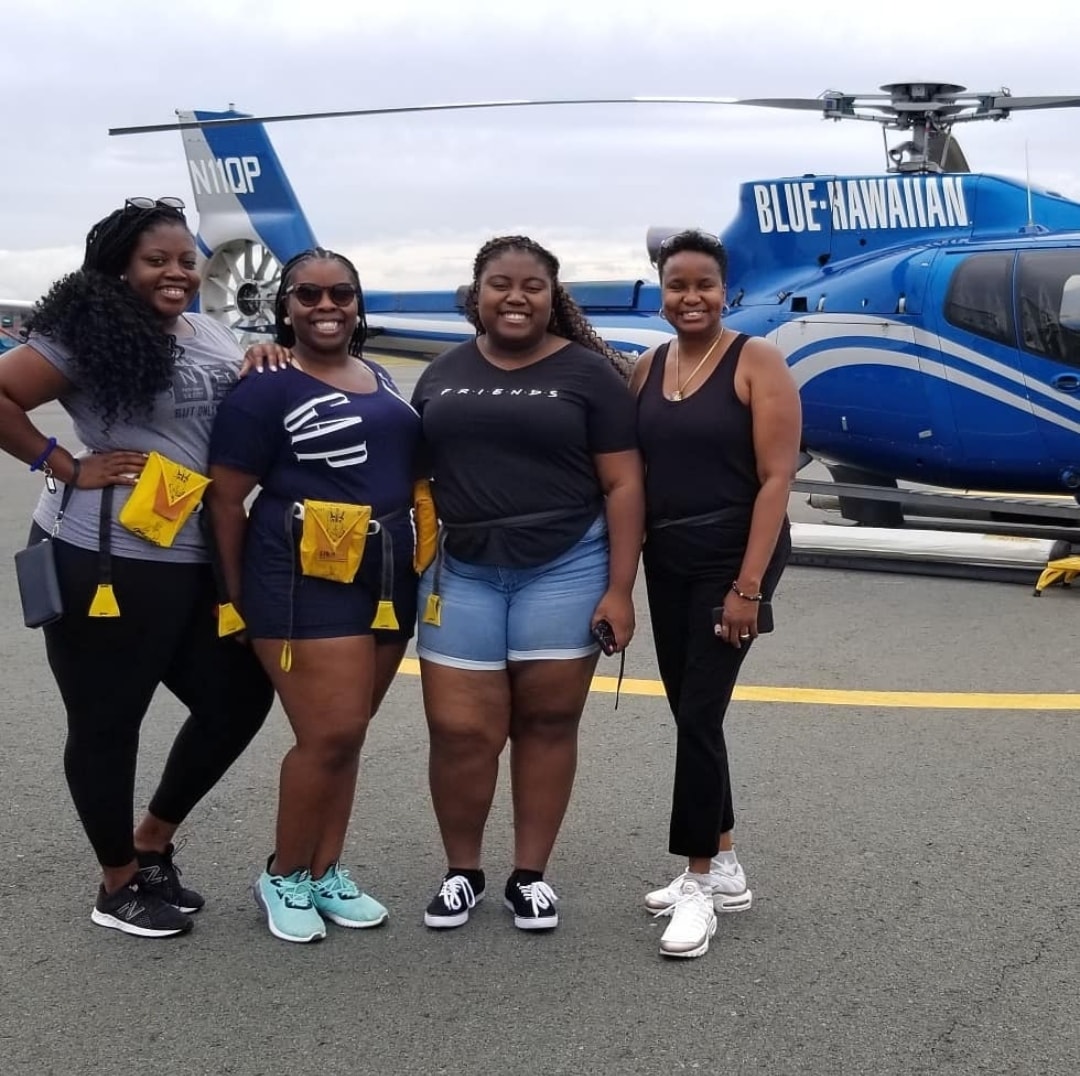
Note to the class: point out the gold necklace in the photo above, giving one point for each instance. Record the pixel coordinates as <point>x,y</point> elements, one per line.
<point>677,395</point>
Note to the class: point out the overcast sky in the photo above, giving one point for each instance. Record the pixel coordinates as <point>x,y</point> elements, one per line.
<point>412,197</point>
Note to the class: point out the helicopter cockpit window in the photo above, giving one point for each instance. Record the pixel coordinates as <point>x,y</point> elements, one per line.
<point>1048,286</point>
<point>980,296</point>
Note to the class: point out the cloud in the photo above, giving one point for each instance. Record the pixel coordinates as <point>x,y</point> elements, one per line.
<point>27,274</point>
<point>415,195</point>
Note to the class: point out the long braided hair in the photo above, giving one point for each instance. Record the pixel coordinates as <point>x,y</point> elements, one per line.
<point>119,356</point>
<point>567,318</point>
<point>284,333</point>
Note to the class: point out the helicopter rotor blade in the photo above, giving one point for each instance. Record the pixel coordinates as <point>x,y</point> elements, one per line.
<point>1012,104</point>
<point>800,104</point>
<point>396,111</point>
<point>832,104</point>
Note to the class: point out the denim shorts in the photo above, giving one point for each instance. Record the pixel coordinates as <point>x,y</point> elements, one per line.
<point>490,616</point>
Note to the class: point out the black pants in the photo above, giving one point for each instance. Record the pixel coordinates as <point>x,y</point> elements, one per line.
<point>108,669</point>
<point>699,671</point>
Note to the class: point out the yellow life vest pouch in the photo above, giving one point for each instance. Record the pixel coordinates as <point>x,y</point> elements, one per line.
<point>162,500</point>
<point>332,539</point>
<point>425,526</point>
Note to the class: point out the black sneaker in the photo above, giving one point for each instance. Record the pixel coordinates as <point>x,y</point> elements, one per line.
<point>533,905</point>
<point>158,874</point>
<point>137,910</point>
<point>452,904</point>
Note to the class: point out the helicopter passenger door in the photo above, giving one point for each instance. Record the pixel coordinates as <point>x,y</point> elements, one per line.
<point>998,437</point>
<point>1048,320</point>
<point>863,392</point>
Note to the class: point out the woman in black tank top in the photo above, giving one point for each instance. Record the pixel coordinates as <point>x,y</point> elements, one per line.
<point>719,426</point>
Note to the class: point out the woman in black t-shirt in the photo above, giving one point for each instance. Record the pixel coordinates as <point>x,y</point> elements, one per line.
<point>538,484</point>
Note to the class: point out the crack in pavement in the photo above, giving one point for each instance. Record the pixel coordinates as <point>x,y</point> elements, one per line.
<point>945,1043</point>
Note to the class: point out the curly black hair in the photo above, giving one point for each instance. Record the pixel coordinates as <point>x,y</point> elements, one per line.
<point>119,355</point>
<point>283,333</point>
<point>567,318</point>
<point>699,242</point>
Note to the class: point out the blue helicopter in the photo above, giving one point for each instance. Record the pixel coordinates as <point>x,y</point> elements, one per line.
<point>930,315</point>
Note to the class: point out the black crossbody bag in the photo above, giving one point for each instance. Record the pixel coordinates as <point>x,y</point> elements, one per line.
<point>39,583</point>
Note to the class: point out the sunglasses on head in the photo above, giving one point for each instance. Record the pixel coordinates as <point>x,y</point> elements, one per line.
<point>311,294</point>
<point>154,203</point>
<point>710,239</point>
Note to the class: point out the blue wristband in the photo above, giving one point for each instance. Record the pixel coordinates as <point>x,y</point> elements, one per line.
<point>40,461</point>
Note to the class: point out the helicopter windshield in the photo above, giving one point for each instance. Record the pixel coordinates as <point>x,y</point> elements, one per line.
<point>1048,287</point>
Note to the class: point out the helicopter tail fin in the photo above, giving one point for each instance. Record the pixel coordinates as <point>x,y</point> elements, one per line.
<point>250,221</point>
<point>241,190</point>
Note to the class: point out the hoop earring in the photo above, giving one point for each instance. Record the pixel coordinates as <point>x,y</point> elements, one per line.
<point>287,320</point>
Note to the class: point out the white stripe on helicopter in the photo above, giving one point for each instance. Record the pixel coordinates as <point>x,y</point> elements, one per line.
<point>856,325</point>
<point>813,365</point>
<point>419,328</point>
<point>838,354</point>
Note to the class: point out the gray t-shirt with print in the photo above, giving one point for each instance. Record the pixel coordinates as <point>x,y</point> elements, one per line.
<point>178,426</point>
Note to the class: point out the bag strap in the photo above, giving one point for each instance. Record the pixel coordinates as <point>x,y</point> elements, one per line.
<point>721,515</point>
<point>549,516</point>
<point>105,536</point>
<point>104,601</point>
<point>65,500</point>
<point>622,669</point>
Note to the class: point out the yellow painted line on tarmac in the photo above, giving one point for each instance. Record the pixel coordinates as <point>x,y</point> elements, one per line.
<point>813,696</point>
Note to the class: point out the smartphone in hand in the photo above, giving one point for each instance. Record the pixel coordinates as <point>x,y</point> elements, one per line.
<point>604,634</point>
<point>764,617</point>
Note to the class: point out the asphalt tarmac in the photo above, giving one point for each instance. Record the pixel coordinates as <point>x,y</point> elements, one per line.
<point>914,871</point>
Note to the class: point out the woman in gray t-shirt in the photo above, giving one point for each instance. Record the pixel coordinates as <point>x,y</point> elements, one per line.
<point>135,374</point>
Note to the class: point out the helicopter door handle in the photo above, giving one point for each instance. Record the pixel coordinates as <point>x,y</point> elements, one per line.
<point>1066,382</point>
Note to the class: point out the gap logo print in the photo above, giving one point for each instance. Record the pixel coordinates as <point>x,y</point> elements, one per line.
<point>319,430</point>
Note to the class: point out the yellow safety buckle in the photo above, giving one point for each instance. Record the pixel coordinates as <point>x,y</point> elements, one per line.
<point>433,610</point>
<point>229,621</point>
<point>385,617</point>
<point>104,603</point>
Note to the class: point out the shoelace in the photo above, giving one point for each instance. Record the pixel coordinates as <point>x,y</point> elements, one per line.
<point>696,900</point>
<point>538,894</point>
<point>295,891</point>
<point>457,891</point>
<point>340,884</point>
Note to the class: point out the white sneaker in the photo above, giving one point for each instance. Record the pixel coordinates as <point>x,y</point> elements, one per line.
<point>693,922</point>
<point>727,883</point>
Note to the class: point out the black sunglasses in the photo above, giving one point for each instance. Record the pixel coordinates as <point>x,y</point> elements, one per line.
<point>311,294</point>
<point>154,203</point>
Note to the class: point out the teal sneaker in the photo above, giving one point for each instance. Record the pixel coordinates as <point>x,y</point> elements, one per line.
<point>287,902</point>
<point>338,898</point>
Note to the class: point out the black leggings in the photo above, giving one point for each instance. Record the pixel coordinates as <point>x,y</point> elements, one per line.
<point>699,671</point>
<point>108,669</point>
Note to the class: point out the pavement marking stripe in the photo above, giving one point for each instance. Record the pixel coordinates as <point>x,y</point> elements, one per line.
<point>812,696</point>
